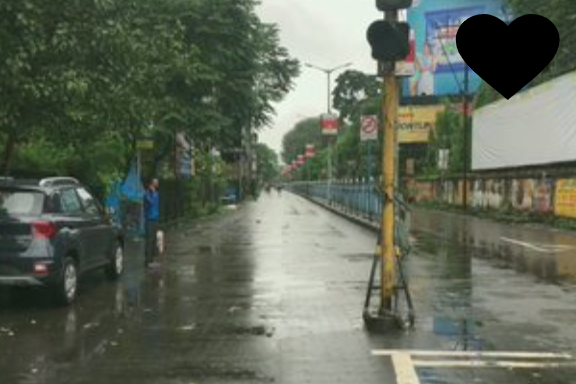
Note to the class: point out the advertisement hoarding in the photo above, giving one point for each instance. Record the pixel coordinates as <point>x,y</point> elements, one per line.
<point>309,151</point>
<point>542,130</point>
<point>329,124</point>
<point>439,69</point>
<point>407,67</point>
<point>416,122</point>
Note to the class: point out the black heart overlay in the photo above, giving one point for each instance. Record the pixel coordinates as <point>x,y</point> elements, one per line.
<point>507,56</point>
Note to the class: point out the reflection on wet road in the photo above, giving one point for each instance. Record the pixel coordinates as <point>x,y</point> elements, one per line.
<point>273,292</point>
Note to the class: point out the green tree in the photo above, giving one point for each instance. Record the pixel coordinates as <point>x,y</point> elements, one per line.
<point>356,93</point>
<point>562,13</point>
<point>74,75</point>
<point>268,165</point>
<point>305,132</point>
<point>449,134</point>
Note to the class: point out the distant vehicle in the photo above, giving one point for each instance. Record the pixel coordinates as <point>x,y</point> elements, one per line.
<point>51,232</point>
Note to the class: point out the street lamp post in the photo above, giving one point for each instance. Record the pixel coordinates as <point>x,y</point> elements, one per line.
<point>328,72</point>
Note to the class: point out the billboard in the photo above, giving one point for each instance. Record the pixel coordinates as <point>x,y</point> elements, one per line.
<point>535,127</point>
<point>329,124</point>
<point>440,69</point>
<point>416,122</point>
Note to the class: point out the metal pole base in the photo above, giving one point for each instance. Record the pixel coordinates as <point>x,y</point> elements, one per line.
<point>382,322</point>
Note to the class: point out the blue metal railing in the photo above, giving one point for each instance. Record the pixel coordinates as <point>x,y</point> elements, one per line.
<point>356,197</point>
<point>360,198</point>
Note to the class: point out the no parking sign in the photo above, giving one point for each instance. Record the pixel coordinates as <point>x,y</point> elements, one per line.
<point>369,128</point>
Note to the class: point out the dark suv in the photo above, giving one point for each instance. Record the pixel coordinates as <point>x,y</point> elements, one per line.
<point>51,232</point>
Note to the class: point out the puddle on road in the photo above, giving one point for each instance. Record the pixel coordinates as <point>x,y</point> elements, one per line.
<point>259,330</point>
<point>217,371</point>
<point>358,257</point>
<point>459,333</point>
<point>554,267</point>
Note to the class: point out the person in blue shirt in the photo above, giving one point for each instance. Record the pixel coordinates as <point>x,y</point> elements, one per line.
<point>151,217</point>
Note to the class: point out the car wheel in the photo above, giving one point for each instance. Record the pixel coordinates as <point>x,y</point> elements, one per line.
<point>67,287</point>
<point>116,267</point>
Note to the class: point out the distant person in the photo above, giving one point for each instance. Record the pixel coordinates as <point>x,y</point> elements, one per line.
<point>151,217</point>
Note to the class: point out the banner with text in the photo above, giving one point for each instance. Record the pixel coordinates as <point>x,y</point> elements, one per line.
<point>565,198</point>
<point>416,122</point>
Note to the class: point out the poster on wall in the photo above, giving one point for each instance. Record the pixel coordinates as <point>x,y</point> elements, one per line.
<point>565,198</point>
<point>543,201</point>
<point>488,194</point>
<point>521,194</point>
<point>536,195</point>
<point>439,68</point>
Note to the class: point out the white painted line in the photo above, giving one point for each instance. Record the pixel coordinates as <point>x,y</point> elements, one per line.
<point>404,368</point>
<point>490,364</point>
<point>477,354</point>
<point>525,244</point>
<point>556,247</point>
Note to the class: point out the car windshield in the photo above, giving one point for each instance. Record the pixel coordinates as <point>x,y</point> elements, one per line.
<point>20,203</point>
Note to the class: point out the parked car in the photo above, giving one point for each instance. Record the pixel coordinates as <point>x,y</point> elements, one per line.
<point>51,232</point>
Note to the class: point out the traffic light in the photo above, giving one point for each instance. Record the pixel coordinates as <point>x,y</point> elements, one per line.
<point>389,40</point>
<point>392,5</point>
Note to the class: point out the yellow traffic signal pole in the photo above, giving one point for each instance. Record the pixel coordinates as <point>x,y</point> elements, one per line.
<point>389,112</point>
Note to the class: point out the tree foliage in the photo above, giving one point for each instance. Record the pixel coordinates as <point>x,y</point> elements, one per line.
<point>563,14</point>
<point>356,93</point>
<point>77,74</point>
<point>305,132</point>
<point>449,134</point>
<point>268,165</point>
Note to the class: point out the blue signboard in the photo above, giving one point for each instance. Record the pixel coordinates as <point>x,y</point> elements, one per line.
<point>185,165</point>
<point>440,70</point>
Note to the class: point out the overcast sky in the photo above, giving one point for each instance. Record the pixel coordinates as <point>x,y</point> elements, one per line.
<point>326,33</point>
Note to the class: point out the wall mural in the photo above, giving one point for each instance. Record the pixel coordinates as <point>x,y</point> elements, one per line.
<point>528,195</point>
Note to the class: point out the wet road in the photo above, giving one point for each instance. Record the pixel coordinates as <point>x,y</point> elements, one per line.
<point>273,293</point>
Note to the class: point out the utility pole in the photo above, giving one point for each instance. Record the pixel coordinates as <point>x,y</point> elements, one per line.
<point>389,39</point>
<point>389,110</point>
<point>465,146</point>
<point>328,72</point>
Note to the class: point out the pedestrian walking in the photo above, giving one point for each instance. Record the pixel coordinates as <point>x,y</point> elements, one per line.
<point>151,216</point>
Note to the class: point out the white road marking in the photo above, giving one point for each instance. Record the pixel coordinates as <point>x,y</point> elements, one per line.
<point>490,364</point>
<point>556,247</point>
<point>478,354</point>
<point>526,244</point>
<point>404,368</point>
